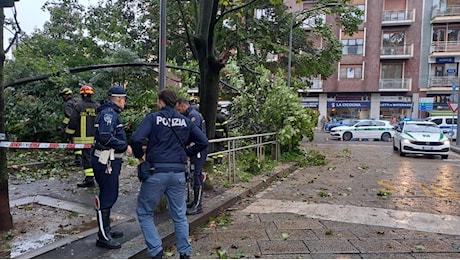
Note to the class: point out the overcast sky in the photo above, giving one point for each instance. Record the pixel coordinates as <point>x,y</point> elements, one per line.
<point>30,16</point>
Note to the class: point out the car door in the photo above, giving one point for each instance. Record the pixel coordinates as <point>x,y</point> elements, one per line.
<point>362,129</point>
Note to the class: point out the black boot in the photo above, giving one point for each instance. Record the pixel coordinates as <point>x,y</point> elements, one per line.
<point>196,207</point>
<point>77,161</point>
<point>87,182</point>
<point>105,240</point>
<point>116,234</point>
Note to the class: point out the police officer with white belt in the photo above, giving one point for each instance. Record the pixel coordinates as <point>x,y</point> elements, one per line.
<point>109,146</point>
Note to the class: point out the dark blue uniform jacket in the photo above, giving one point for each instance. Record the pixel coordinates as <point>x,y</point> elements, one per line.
<point>109,132</point>
<point>163,145</point>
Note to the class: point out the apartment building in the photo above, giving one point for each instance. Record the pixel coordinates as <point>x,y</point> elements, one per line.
<point>389,64</point>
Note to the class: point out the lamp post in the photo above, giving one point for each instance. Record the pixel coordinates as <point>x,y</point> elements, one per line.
<point>162,58</point>
<point>291,29</point>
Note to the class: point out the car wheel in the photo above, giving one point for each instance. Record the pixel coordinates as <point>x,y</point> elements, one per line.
<point>386,137</point>
<point>347,136</point>
<point>444,156</point>
<point>400,150</point>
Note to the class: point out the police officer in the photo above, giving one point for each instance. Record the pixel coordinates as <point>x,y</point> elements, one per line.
<point>81,129</point>
<point>220,131</point>
<point>169,135</point>
<point>69,105</point>
<point>183,106</point>
<point>109,146</point>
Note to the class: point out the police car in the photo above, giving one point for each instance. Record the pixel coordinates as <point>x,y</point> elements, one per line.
<point>420,137</point>
<point>448,124</point>
<point>364,129</point>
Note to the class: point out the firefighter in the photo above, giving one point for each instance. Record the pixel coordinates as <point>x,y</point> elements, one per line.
<point>81,130</point>
<point>221,131</point>
<point>69,105</point>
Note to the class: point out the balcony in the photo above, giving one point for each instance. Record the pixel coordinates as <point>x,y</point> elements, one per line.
<point>445,48</point>
<point>442,81</point>
<point>398,17</point>
<point>446,14</point>
<point>315,84</point>
<point>395,85</point>
<point>396,52</point>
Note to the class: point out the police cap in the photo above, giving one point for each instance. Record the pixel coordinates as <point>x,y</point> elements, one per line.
<point>117,91</point>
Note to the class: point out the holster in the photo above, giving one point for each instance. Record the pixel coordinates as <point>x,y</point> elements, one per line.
<point>144,171</point>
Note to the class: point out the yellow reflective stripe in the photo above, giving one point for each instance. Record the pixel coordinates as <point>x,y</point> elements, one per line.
<point>66,120</point>
<point>89,172</point>
<point>83,125</point>
<point>80,152</point>
<point>83,140</point>
<point>219,130</point>
<point>69,131</point>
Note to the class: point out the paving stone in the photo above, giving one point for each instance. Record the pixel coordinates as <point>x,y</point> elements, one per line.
<point>291,234</point>
<point>281,247</point>
<point>335,256</point>
<point>334,234</point>
<point>379,246</point>
<point>331,246</point>
<point>387,256</point>
<point>373,232</point>
<point>233,246</point>
<point>437,255</point>
<point>428,246</point>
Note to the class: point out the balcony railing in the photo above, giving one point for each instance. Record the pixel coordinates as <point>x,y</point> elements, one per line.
<point>316,84</point>
<point>398,17</point>
<point>396,52</point>
<point>442,81</point>
<point>446,14</point>
<point>395,84</point>
<point>445,46</point>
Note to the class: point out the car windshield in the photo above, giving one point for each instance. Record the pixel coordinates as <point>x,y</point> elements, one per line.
<point>349,122</point>
<point>422,128</point>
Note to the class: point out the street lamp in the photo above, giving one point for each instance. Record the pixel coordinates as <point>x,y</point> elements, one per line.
<point>290,34</point>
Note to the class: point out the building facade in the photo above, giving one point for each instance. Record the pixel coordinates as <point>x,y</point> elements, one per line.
<point>404,52</point>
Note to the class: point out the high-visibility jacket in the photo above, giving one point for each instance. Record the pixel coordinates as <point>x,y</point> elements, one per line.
<point>221,127</point>
<point>69,105</point>
<point>81,124</point>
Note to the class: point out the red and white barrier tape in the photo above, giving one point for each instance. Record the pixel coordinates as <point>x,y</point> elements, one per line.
<point>35,145</point>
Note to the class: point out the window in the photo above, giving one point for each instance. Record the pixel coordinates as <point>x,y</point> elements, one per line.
<point>311,22</point>
<point>350,72</point>
<point>352,46</point>
<point>265,14</point>
<point>392,71</point>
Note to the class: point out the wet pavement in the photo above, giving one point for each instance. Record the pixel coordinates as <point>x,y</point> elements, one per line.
<point>312,212</point>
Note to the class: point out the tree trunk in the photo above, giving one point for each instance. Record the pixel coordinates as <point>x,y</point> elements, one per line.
<point>6,221</point>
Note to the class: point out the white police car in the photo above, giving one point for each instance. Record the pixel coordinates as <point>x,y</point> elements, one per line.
<point>448,124</point>
<point>364,129</point>
<point>420,137</point>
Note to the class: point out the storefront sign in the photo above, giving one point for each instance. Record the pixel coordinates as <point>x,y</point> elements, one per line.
<point>309,104</point>
<point>395,104</point>
<point>348,104</point>
<point>445,60</point>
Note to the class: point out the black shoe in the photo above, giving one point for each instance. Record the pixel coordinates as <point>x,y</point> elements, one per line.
<point>194,210</point>
<point>184,257</point>
<point>109,244</point>
<point>158,256</point>
<point>88,182</point>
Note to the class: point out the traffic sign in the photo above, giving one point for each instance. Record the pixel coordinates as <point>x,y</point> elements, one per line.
<point>453,106</point>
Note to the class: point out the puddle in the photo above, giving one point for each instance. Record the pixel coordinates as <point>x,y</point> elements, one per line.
<point>36,226</point>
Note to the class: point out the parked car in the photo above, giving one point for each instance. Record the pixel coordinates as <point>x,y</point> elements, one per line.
<point>366,128</point>
<point>420,137</point>
<point>448,124</point>
<point>345,122</point>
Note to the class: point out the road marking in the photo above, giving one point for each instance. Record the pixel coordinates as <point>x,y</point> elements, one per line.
<point>426,222</point>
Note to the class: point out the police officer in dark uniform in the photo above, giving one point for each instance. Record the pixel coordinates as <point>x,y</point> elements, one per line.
<point>81,129</point>
<point>183,106</point>
<point>220,131</point>
<point>109,146</point>
<point>169,137</point>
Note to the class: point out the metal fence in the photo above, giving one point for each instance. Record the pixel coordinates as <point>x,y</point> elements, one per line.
<point>239,143</point>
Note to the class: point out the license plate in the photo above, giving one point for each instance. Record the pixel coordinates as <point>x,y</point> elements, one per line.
<point>427,148</point>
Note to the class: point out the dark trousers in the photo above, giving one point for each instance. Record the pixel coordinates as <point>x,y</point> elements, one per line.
<point>108,183</point>
<point>198,163</point>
